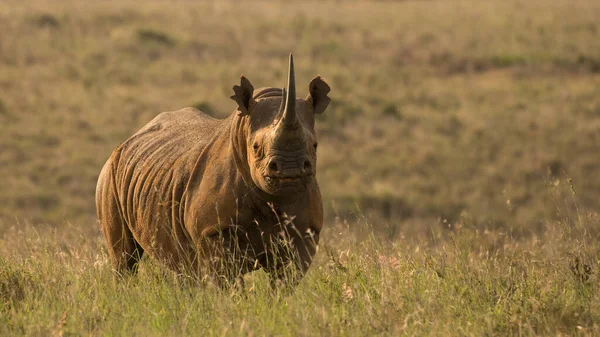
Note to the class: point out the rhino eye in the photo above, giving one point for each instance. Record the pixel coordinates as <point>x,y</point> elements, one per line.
<point>315,145</point>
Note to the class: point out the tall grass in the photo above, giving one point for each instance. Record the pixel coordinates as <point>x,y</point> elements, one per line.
<point>447,279</point>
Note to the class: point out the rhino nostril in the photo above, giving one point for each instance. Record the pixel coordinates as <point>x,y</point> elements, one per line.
<point>307,166</point>
<point>273,167</point>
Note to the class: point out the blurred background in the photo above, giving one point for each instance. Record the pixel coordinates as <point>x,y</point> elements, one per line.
<point>485,112</point>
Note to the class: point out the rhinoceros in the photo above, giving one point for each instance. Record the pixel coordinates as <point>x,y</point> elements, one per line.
<point>219,197</point>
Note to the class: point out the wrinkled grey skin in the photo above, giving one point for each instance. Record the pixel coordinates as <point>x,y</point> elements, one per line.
<point>214,197</point>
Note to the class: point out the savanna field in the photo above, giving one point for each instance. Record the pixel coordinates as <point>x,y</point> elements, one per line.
<point>459,163</point>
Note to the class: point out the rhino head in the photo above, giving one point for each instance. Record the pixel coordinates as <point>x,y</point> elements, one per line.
<point>279,140</point>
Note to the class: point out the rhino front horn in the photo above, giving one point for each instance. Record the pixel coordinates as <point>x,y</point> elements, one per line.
<point>289,120</point>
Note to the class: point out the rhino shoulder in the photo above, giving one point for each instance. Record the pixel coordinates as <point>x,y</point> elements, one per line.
<point>184,115</point>
<point>183,120</point>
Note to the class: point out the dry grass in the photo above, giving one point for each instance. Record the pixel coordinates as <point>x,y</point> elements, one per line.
<point>459,132</point>
<point>453,279</point>
<point>431,117</point>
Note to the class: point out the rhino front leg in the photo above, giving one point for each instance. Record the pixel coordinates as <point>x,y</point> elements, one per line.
<point>224,259</point>
<point>289,262</point>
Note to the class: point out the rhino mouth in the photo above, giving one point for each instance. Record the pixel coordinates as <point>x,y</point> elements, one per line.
<point>287,180</point>
<point>273,179</point>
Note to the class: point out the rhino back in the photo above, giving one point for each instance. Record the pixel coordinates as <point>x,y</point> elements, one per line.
<point>151,170</point>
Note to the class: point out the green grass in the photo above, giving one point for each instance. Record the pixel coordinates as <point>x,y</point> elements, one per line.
<point>458,162</point>
<point>448,279</point>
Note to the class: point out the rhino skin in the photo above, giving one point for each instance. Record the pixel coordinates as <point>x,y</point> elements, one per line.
<point>219,197</point>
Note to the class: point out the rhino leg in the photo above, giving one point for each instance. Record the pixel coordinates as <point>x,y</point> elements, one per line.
<point>124,251</point>
<point>289,263</point>
<point>225,258</point>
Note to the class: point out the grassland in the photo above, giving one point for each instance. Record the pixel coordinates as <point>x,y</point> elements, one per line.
<point>445,282</point>
<point>458,162</point>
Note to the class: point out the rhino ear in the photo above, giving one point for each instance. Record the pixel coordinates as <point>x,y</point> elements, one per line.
<point>319,89</point>
<point>243,95</point>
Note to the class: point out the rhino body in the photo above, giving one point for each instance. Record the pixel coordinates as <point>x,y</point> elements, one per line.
<point>218,197</point>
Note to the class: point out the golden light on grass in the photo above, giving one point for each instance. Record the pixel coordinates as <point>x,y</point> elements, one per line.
<point>458,163</point>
